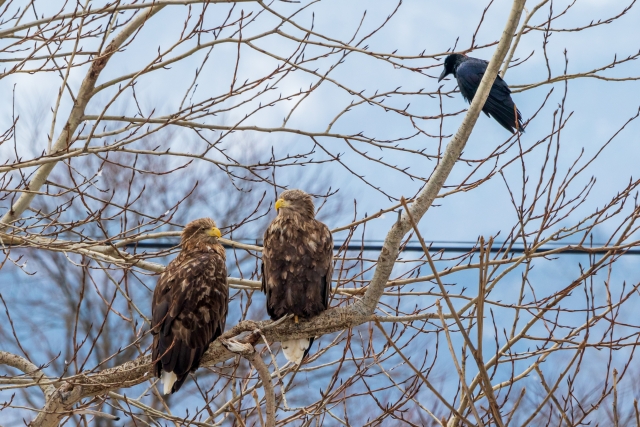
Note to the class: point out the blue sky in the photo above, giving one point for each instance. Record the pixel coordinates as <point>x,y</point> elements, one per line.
<point>598,109</point>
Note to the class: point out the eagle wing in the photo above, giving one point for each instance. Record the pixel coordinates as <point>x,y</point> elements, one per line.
<point>326,258</point>
<point>189,311</point>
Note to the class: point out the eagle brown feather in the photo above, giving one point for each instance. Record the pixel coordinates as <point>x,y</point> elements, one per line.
<point>190,303</point>
<point>297,263</point>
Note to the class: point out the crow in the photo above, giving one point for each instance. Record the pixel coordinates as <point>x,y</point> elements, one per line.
<point>499,105</point>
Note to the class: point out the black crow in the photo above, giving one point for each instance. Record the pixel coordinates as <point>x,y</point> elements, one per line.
<point>499,105</point>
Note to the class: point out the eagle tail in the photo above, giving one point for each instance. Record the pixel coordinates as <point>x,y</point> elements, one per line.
<point>168,379</point>
<point>295,350</point>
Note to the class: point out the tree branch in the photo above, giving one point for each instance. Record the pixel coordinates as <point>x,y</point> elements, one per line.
<point>428,194</point>
<point>76,116</point>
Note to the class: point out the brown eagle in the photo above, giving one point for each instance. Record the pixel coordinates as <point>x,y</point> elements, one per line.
<point>297,264</point>
<point>190,304</point>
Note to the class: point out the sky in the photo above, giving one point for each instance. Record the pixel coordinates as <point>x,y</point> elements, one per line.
<point>597,110</point>
<point>418,26</point>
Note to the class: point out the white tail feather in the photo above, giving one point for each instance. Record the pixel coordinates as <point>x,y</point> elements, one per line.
<point>294,350</point>
<point>168,378</point>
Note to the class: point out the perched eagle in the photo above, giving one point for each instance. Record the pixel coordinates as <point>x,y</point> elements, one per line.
<point>190,304</point>
<point>297,263</point>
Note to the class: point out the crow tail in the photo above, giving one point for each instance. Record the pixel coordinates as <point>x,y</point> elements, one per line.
<point>505,113</point>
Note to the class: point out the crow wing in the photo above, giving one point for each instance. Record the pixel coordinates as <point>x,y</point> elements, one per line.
<point>499,104</point>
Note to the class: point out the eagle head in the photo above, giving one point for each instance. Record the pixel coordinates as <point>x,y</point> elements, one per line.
<point>295,201</point>
<point>203,230</point>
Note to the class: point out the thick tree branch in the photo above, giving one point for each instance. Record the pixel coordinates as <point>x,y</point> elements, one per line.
<point>76,116</point>
<point>267,385</point>
<point>428,194</point>
<point>27,368</point>
<point>66,395</point>
<point>337,319</point>
<point>116,173</point>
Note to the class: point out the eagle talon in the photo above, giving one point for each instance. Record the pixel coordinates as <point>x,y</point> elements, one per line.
<point>295,319</point>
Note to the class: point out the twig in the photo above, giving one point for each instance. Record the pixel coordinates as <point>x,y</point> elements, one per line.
<point>486,382</point>
<point>267,385</point>
<point>615,398</point>
<point>424,379</point>
<point>463,380</point>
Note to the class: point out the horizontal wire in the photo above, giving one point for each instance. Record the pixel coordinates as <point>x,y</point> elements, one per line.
<point>458,247</point>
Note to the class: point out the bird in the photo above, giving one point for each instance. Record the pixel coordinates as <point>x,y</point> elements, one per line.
<point>297,265</point>
<point>190,304</point>
<point>499,105</point>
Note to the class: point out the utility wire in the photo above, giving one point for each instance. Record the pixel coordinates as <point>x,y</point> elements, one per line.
<point>368,246</point>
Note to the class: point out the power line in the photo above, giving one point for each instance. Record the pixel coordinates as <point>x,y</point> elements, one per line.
<point>458,247</point>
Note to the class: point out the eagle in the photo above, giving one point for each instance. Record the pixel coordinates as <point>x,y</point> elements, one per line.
<point>297,264</point>
<point>190,304</point>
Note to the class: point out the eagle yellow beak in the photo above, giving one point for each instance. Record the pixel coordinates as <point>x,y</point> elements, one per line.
<point>214,232</point>
<point>281,203</point>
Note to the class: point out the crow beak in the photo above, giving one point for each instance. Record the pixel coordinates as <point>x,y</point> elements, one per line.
<point>443,75</point>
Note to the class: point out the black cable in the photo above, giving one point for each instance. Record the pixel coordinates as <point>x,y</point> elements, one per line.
<point>416,248</point>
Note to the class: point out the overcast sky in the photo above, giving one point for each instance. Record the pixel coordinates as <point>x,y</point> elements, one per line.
<point>598,108</point>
